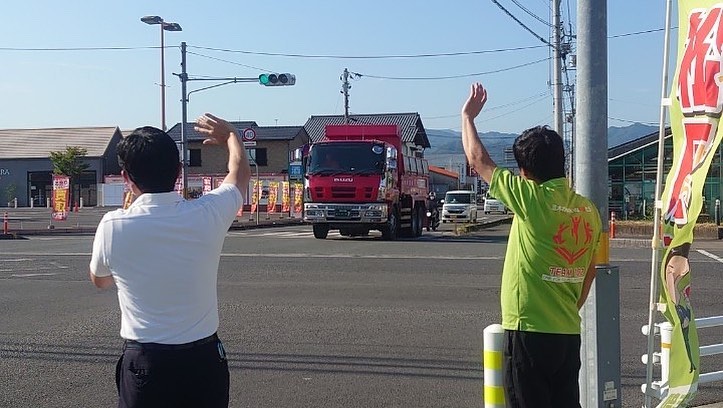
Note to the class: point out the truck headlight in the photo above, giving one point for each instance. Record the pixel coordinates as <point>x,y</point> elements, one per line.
<point>376,211</point>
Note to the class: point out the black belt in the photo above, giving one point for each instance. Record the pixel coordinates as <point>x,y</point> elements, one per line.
<point>132,344</point>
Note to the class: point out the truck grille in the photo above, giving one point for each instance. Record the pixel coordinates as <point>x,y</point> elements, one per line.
<point>343,192</point>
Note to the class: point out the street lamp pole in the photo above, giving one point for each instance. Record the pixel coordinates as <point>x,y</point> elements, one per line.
<point>165,26</point>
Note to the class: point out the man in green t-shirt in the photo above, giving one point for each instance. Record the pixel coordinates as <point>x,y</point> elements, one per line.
<point>548,266</point>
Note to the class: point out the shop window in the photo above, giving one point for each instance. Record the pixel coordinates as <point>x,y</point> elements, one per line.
<point>259,156</point>
<point>194,157</point>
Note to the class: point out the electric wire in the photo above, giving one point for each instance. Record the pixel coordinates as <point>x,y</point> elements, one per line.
<point>493,108</point>
<point>389,56</point>
<point>431,78</point>
<point>227,61</point>
<point>86,48</point>
<point>530,13</point>
<point>521,23</point>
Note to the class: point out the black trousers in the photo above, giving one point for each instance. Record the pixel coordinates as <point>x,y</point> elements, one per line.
<point>184,375</point>
<point>541,370</point>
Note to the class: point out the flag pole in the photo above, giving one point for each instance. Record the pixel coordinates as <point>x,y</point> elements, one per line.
<point>657,244</point>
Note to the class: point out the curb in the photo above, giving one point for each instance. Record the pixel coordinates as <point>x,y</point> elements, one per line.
<point>468,228</point>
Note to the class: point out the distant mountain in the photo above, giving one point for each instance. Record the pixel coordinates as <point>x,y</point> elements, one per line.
<point>447,148</point>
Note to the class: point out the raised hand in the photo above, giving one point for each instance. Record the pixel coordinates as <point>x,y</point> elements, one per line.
<point>216,128</point>
<point>475,102</point>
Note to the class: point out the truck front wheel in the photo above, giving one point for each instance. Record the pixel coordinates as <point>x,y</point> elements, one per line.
<point>389,232</point>
<point>321,231</point>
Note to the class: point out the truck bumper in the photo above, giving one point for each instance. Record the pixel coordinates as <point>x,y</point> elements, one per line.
<point>345,214</point>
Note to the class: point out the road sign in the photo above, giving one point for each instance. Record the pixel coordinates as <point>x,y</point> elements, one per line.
<point>249,135</point>
<point>249,144</point>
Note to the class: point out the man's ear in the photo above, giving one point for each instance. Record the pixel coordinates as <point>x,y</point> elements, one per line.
<point>130,183</point>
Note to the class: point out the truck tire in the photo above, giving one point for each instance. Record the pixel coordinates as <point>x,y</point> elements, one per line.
<point>390,231</point>
<point>320,231</point>
<point>417,226</point>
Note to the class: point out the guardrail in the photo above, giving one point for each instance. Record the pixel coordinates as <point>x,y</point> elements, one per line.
<point>665,330</point>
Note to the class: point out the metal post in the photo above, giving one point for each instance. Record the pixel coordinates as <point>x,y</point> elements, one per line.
<point>717,211</point>
<point>557,68</point>
<point>657,244</point>
<point>600,351</point>
<point>184,119</point>
<point>163,80</point>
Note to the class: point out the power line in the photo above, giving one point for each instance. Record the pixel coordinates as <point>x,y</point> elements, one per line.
<point>85,48</point>
<point>518,109</point>
<point>632,121</point>
<point>491,108</point>
<point>390,56</point>
<point>654,30</point>
<point>227,61</point>
<point>453,76</point>
<point>521,23</point>
<point>533,15</point>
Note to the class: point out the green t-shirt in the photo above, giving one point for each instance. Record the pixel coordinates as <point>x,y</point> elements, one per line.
<point>553,236</point>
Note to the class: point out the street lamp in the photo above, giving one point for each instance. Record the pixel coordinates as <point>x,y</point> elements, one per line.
<point>165,26</point>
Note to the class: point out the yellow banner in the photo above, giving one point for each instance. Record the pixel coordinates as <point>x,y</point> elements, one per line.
<point>298,198</point>
<point>255,196</point>
<point>285,197</point>
<point>61,193</point>
<point>694,116</point>
<point>273,194</point>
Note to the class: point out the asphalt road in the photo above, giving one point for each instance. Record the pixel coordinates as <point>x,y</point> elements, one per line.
<point>308,323</point>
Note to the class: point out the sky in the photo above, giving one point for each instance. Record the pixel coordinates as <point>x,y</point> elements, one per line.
<point>118,83</point>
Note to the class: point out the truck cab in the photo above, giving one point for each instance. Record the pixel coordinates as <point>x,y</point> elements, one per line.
<point>357,180</point>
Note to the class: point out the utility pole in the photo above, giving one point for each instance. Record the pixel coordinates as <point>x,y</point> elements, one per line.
<point>345,86</point>
<point>184,119</point>
<point>557,68</point>
<point>600,331</point>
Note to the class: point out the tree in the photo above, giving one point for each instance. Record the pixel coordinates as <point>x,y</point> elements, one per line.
<point>69,162</point>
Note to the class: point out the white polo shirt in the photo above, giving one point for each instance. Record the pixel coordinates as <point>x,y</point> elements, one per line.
<point>163,254</point>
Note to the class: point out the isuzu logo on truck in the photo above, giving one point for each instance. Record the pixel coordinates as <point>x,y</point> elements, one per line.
<point>344,179</point>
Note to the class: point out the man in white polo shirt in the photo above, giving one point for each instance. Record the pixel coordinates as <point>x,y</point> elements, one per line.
<point>162,253</point>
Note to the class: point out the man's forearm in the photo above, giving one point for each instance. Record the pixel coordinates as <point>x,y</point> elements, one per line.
<point>476,153</point>
<point>239,171</point>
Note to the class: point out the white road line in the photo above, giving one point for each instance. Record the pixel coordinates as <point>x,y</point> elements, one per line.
<point>711,256</point>
<point>16,260</point>
<point>31,275</point>
<point>352,256</point>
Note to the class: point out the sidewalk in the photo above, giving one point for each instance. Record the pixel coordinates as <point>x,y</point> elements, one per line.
<point>36,221</point>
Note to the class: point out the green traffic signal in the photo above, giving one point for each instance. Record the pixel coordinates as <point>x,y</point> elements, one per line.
<point>277,79</point>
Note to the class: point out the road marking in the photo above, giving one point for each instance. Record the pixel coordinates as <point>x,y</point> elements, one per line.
<point>711,256</point>
<point>31,275</point>
<point>16,260</point>
<point>352,256</point>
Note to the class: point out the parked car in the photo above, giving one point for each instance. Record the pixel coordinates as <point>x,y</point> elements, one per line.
<point>493,205</point>
<point>459,205</point>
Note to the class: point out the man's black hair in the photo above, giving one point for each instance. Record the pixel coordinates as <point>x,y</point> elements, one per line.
<point>150,157</point>
<point>541,153</point>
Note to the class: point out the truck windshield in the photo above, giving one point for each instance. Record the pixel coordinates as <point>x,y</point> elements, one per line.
<point>452,198</point>
<point>347,158</point>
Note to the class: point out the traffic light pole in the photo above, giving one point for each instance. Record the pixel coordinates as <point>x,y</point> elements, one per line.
<point>185,95</point>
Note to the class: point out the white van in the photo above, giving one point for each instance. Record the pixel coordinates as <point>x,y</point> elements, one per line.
<point>493,205</point>
<point>459,205</point>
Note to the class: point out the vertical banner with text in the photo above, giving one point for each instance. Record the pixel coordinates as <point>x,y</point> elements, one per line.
<point>298,198</point>
<point>285,197</point>
<point>273,195</point>
<point>207,185</point>
<point>255,194</point>
<point>695,112</point>
<point>61,192</point>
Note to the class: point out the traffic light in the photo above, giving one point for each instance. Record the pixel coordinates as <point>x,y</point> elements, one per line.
<point>277,79</point>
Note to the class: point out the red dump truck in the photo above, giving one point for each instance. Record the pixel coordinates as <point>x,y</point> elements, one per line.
<point>358,179</point>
